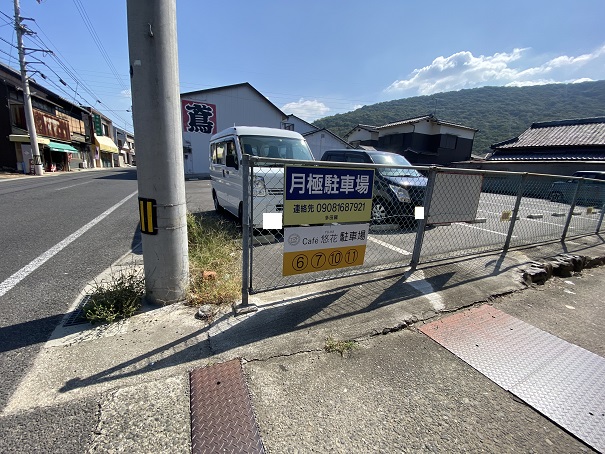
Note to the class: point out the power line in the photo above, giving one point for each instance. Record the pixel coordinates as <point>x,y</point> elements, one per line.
<point>95,37</point>
<point>75,77</point>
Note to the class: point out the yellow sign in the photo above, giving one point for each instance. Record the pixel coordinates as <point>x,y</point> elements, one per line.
<point>148,215</point>
<point>299,262</point>
<point>325,247</point>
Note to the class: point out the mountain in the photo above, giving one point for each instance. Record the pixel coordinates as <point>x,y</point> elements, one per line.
<point>499,113</point>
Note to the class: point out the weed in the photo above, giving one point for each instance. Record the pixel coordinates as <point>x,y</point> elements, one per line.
<point>118,298</point>
<point>342,347</point>
<point>214,269</point>
<point>214,245</point>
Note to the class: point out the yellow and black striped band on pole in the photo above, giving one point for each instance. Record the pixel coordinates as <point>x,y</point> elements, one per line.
<point>149,216</point>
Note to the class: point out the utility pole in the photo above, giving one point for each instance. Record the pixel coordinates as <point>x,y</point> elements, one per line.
<point>154,79</point>
<point>27,101</point>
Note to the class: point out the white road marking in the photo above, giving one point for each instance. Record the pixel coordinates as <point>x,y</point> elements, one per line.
<point>390,246</point>
<point>73,185</point>
<point>485,230</point>
<point>13,280</point>
<point>417,280</point>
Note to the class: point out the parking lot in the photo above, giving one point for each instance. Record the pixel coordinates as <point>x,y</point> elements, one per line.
<point>390,246</point>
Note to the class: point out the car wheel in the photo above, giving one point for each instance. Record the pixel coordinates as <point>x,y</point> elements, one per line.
<point>379,212</point>
<point>217,206</point>
<point>556,196</point>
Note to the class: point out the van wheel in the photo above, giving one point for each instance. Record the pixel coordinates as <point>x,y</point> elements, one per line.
<point>217,206</point>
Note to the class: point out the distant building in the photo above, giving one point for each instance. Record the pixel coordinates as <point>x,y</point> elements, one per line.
<point>321,140</point>
<point>424,140</point>
<point>570,140</point>
<point>560,147</point>
<point>362,135</point>
<point>294,123</point>
<point>206,112</point>
<point>70,136</point>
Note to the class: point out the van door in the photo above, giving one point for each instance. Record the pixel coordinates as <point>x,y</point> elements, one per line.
<point>233,176</point>
<point>217,173</point>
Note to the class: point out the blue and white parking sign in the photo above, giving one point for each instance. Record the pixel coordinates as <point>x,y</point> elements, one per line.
<point>316,195</point>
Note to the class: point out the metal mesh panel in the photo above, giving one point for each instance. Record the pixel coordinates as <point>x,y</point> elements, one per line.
<point>461,212</point>
<point>392,229</point>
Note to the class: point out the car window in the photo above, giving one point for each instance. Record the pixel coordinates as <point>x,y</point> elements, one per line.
<point>355,157</point>
<point>336,157</point>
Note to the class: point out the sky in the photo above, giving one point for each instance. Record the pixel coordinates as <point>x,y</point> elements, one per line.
<point>316,58</point>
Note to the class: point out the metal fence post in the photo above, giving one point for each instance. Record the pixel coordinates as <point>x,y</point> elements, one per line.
<point>600,223</point>
<point>511,228</point>
<point>422,222</point>
<point>244,306</point>
<point>572,207</point>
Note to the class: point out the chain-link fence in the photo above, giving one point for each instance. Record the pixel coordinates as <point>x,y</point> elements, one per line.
<point>415,214</point>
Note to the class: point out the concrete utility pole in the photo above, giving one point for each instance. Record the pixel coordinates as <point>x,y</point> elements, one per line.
<point>156,98</point>
<point>27,99</point>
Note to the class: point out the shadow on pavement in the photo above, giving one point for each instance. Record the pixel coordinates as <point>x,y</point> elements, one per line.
<point>126,174</point>
<point>294,315</point>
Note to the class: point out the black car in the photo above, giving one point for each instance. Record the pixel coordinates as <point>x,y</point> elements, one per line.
<point>397,191</point>
<point>590,191</point>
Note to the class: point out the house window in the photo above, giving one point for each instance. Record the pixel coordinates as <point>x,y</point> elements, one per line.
<point>288,126</point>
<point>448,141</point>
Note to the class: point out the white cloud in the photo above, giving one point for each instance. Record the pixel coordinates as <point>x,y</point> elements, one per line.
<point>126,93</point>
<point>464,70</point>
<point>306,109</point>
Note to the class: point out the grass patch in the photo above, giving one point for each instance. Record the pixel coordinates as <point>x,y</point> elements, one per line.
<point>116,299</point>
<point>215,251</point>
<point>343,347</point>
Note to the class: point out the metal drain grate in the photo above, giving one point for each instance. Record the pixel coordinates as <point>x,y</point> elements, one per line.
<point>222,418</point>
<point>76,317</point>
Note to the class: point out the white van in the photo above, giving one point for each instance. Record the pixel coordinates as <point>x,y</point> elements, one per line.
<point>226,150</point>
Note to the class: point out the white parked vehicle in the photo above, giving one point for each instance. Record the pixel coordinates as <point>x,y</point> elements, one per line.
<point>226,150</point>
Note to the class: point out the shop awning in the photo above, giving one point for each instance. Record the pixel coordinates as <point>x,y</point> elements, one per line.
<point>63,147</point>
<point>24,138</point>
<point>106,144</point>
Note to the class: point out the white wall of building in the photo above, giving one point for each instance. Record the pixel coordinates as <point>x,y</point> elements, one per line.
<point>321,141</point>
<point>300,126</point>
<point>361,134</point>
<point>238,105</point>
<point>428,128</point>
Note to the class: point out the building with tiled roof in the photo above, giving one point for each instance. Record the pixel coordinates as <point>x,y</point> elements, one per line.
<point>422,140</point>
<point>565,140</point>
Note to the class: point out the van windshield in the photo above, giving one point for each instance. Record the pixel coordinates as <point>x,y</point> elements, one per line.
<point>394,160</point>
<point>276,147</point>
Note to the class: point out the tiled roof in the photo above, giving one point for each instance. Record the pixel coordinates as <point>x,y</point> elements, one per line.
<point>582,132</point>
<point>569,156</point>
<point>425,117</point>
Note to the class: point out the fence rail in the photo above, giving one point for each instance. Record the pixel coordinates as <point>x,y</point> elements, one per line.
<point>420,214</point>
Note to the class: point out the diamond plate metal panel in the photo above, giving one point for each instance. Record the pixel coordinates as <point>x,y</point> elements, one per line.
<point>562,381</point>
<point>222,418</point>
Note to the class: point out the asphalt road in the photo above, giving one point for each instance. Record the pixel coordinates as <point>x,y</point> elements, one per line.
<point>57,235</point>
<point>59,232</point>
